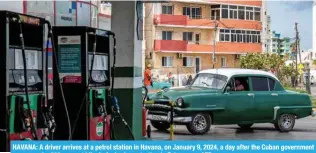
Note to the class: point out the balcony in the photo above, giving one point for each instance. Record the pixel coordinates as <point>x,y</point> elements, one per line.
<point>221,47</point>
<point>170,45</point>
<point>185,21</point>
<point>170,19</point>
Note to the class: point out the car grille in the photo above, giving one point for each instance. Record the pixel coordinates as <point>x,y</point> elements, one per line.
<point>160,108</point>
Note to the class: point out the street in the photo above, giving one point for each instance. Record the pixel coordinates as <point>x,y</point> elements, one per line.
<point>305,129</point>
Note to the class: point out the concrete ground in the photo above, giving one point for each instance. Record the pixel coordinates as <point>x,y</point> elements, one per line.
<point>305,129</point>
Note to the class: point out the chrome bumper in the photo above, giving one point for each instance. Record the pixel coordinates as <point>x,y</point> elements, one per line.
<point>165,118</point>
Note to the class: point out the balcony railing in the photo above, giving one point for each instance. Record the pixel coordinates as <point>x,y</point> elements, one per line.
<point>183,20</point>
<point>170,45</point>
<point>221,47</point>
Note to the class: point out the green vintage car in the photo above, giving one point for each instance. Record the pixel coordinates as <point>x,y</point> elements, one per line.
<point>229,96</point>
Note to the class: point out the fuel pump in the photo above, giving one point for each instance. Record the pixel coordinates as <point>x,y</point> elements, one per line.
<point>26,113</point>
<point>82,55</point>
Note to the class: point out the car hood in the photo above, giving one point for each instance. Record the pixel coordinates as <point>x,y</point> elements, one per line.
<point>174,93</point>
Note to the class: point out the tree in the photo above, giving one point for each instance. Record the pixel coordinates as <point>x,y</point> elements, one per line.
<point>267,62</point>
<point>314,62</point>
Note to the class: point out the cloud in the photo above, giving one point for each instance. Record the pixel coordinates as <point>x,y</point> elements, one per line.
<point>299,5</point>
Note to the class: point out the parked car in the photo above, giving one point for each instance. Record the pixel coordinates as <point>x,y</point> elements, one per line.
<point>212,99</point>
<point>160,85</point>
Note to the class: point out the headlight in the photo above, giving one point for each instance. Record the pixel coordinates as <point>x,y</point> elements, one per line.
<point>179,102</point>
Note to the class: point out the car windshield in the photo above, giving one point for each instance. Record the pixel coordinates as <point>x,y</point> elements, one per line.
<point>208,80</point>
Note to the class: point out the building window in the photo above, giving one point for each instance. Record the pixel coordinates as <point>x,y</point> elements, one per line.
<point>249,13</point>
<point>197,38</point>
<point>257,14</point>
<point>166,61</point>
<point>225,11</point>
<point>192,12</point>
<point>233,36</point>
<point>188,61</point>
<point>223,62</point>
<point>224,35</point>
<point>215,12</point>
<point>241,12</point>
<point>239,36</point>
<point>233,12</point>
<point>167,9</point>
<point>242,36</point>
<point>187,36</point>
<point>167,35</point>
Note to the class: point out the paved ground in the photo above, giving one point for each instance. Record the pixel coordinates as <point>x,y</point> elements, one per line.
<point>305,129</point>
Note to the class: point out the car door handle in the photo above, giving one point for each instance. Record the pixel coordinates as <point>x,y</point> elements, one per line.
<point>274,94</point>
<point>250,94</point>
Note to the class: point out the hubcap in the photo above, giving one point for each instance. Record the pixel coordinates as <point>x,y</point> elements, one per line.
<point>286,121</point>
<point>199,122</point>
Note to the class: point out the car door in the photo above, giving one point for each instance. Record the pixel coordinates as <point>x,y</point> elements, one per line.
<point>239,103</point>
<point>265,98</point>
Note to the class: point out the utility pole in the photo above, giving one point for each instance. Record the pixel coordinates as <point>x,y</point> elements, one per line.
<point>214,41</point>
<point>297,50</point>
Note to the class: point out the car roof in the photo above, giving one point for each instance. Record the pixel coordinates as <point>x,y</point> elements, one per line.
<point>229,72</point>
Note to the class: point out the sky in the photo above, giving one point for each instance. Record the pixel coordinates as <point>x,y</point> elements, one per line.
<point>284,14</point>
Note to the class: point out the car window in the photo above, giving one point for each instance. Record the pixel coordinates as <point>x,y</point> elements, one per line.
<point>262,83</point>
<point>239,84</point>
<point>271,84</point>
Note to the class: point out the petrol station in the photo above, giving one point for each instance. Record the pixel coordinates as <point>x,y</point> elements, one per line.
<point>97,79</point>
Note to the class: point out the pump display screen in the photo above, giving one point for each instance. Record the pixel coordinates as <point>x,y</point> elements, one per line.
<point>16,69</point>
<point>100,67</point>
<point>17,77</point>
<point>100,62</point>
<point>32,59</point>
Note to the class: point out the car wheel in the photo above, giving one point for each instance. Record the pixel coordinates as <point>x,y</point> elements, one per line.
<point>285,122</point>
<point>245,126</point>
<point>161,126</point>
<point>200,124</point>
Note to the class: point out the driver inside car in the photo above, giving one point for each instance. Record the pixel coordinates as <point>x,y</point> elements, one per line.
<point>238,86</point>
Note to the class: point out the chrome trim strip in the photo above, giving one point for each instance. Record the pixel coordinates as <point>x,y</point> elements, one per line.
<point>161,106</point>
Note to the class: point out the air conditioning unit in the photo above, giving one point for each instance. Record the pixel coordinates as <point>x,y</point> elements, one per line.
<point>179,55</point>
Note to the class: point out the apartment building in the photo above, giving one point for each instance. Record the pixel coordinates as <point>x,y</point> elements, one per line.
<point>280,45</point>
<point>181,36</point>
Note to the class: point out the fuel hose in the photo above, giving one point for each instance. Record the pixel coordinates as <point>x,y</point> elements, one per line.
<point>87,86</point>
<point>33,130</point>
<point>50,35</point>
<point>115,107</point>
